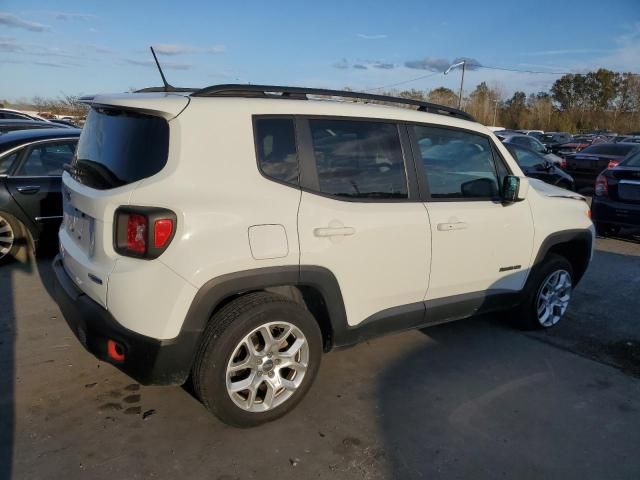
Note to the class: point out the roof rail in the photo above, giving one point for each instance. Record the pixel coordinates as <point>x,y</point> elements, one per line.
<point>168,89</point>
<point>301,93</point>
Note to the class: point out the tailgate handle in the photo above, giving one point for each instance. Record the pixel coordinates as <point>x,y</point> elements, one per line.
<point>28,189</point>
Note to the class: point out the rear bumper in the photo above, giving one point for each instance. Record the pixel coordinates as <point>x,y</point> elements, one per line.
<point>147,360</point>
<point>615,213</point>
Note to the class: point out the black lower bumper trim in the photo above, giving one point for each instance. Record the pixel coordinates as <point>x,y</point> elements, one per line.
<point>147,360</point>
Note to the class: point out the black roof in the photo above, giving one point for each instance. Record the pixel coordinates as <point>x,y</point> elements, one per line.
<point>9,121</point>
<point>11,139</point>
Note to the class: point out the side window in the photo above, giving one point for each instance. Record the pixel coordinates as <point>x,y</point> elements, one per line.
<point>7,161</point>
<point>47,159</point>
<point>526,158</point>
<point>359,159</point>
<point>276,149</point>
<point>520,141</point>
<point>458,164</point>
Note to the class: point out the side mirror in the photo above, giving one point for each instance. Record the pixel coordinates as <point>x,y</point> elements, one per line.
<point>510,189</point>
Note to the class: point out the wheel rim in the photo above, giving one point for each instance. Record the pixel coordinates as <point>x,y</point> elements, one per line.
<point>6,237</point>
<point>267,366</point>
<point>553,298</point>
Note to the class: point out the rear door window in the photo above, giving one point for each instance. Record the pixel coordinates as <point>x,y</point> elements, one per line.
<point>118,147</point>
<point>47,159</point>
<point>276,149</point>
<point>359,159</point>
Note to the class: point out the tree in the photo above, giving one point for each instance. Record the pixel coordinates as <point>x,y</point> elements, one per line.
<point>443,96</point>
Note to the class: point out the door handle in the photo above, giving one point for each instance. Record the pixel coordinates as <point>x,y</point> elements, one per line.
<point>334,231</point>
<point>445,227</point>
<point>28,189</point>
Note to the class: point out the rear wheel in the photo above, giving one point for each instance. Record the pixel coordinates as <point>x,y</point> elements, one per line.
<point>13,240</point>
<point>548,293</point>
<point>258,358</point>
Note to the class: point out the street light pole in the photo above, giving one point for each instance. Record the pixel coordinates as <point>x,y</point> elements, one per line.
<point>463,63</point>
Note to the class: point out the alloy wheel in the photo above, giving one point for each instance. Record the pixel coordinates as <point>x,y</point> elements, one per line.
<point>553,298</point>
<point>267,366</point>
<point>7,237</point>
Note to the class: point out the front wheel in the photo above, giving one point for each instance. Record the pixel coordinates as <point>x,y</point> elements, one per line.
<point>259,357</point>
<point>547,294</point>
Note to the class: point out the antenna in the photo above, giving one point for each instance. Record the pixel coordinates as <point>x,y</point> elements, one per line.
<point>167,86</point>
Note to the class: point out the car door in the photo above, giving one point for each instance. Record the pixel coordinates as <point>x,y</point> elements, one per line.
<point>480,245</point>
<point>361,217</point>
<point>36,183</point>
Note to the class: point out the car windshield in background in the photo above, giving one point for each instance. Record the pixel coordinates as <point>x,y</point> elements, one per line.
<point>118,147</point>
<point>549,138</point>
<point>633,161</point>
<point>609,149</point>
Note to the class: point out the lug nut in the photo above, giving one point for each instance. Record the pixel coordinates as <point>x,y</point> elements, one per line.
<point>277,361</point>
<point>271,374</point>
<point>269,354</point>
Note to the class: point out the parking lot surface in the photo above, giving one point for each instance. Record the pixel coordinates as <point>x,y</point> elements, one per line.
<point>473,399</point>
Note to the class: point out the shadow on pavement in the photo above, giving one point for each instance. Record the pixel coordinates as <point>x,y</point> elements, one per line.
<point>482,401</point>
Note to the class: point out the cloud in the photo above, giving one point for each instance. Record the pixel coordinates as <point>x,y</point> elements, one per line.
<point>151,63</point>
<point>95,48</point>
<point>180,49</point>
<point>41,63</point>
<point>570,51</point>
<point>441,64</point>
<point>73,16</point>
<point>92,30</point>
<point>9,45</point>
<point>378,36</point>
<point>383,66</point>
<point>359,66</point>
<point>342,64</point>
<point>172,49</point>
<point>9,20</point>
<point>431,64</point>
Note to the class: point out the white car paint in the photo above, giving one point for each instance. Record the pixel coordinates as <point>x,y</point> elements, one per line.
<point>384,255</point>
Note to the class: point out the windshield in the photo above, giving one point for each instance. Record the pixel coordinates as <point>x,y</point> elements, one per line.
<point>609,149</point>
<point>118,147</point>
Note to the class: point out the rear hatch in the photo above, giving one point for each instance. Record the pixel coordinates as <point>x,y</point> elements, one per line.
<point>119,147</point>
<point>589,163</point>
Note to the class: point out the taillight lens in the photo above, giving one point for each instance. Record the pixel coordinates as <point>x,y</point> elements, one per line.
<point>613,163</point>
<point>602,186</point>
<point>143,232</point>
<point>563,163</point>
<point>136,233</point>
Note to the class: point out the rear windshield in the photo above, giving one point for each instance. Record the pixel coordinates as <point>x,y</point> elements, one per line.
<point>118,147</point>
<point>609,149</point>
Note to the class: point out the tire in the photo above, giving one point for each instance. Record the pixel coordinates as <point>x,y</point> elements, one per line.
<point>275,381</point>
<point>13,239</point>
<point>539,285</point>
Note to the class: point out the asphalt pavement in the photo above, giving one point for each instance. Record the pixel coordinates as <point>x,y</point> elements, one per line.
<point>473,399</point>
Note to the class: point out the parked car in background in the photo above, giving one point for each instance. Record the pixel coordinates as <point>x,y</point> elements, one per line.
<point>533,133</point>
<point>585,165</point>
<point>9,114</point>
<point>616,202</point>
<point>12,125</point>
<point>628,139</point>
<point>553,140</point>
<point>580,142</point>
<point>531,143</point>
<point>31,163</point>
<point>536,165</point>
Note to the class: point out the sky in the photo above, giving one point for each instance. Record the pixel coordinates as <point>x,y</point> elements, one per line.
<point>69,47</point>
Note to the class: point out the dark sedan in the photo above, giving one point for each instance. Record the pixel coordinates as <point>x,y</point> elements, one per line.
<point>535,165</point>
<point>31,164</point>
<point>585,165</point>
<point>616,202</point>
<point>11,125</point>
<point>553,140</point>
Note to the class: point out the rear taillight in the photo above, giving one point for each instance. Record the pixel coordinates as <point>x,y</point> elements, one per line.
<point>143,232</point>
<point>563,163</point>
<point>602,186</point>
<point>613,163</point>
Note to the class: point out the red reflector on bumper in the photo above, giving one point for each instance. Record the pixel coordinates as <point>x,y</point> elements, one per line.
<point>115,351</point>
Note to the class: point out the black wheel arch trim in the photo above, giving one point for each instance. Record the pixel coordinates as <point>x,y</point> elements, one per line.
<point>581,235</point>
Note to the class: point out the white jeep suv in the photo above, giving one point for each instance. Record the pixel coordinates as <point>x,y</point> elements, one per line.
<point>235,233</point>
